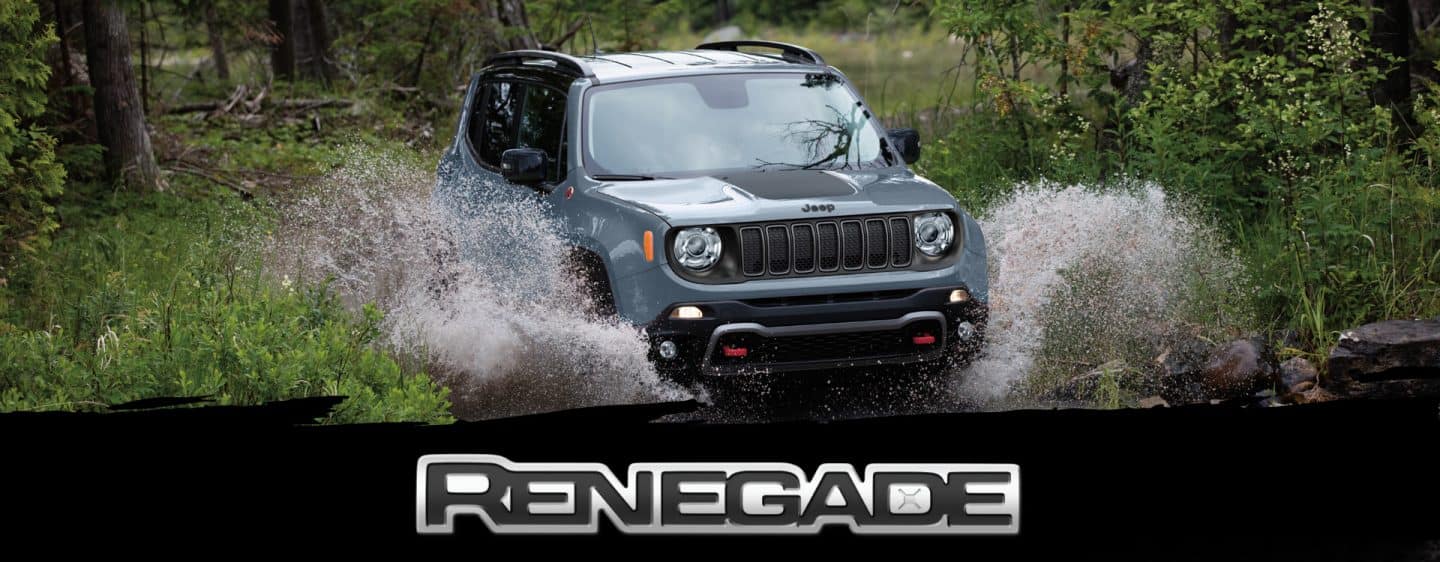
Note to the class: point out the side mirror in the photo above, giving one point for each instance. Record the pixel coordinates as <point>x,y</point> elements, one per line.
<point>906,142</point>
<point>523,166</point>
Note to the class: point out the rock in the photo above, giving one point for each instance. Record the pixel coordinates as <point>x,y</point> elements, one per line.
<point>1153,402</point>
<point>1302,387</point>
<point>1389,350</point>
<point>727,33</point>
<point>1237,370</point>
<point>1296,371</point>
<point>1179,367</point>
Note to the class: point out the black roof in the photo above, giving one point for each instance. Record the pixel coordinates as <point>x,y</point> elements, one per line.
<point>706,58</point>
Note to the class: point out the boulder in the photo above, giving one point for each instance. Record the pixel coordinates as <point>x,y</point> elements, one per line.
<point>1153,402</point>
<point>1237,370</point>
<point>1389,350</point>
<point>1178,369</point>
<point>1297,371</point>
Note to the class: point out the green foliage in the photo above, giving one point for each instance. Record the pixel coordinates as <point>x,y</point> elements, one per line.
<point>1260,111</point>
<point>30,176</point>
<point>166,298</point>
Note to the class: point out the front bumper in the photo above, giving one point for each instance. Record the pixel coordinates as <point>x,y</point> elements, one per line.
<point>819,332</point>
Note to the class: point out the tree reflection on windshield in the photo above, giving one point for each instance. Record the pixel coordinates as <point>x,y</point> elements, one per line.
<point>700,125</point>
<point>824,142</point>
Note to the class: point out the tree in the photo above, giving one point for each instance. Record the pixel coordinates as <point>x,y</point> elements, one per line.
<point>119,118</point>
<point>217,41</point>
<point>29,175</point>
<point>304,48</point>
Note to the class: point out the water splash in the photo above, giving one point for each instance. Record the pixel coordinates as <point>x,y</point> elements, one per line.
<point>494,319</point>
<point>1104,269</point>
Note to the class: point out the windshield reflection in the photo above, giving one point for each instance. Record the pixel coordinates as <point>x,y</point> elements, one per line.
<point>700,125</point>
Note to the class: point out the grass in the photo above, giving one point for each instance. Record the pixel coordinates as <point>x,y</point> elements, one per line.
<point>157,295</point>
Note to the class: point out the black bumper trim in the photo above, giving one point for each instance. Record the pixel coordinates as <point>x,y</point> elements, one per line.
<point>696,338</point>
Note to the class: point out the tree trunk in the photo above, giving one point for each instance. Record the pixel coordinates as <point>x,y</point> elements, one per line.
<point>304,49</point>
<point>1139,76</point>
<point>65,19</point>
<point>217,41</point>
<point>318,62</point>
<point>1391,35</point>
<point>121,123</point>
<point>512,15</point>
<point>723,13</point>
<point>282,56</point>
<point>1065,51</point>
<point>144,59</point>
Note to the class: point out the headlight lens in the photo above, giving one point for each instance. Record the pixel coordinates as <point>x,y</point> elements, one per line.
<point>697,248</point>
<point>934,233</point>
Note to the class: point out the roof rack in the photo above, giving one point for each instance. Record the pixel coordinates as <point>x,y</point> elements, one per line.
<point>562,61</point>
<point>787,50</point>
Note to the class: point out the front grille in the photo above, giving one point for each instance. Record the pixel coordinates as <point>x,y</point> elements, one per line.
<point>752,242</point>
<point>825,246</point>
<point>777,249</point>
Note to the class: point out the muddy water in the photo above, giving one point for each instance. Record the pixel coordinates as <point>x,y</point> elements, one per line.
<point>497,322</point>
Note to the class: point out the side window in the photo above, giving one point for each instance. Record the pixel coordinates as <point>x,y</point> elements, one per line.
<point>542,125</point>
<point>492,127</point>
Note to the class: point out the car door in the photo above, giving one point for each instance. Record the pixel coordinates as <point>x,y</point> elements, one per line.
<point>513,113</point>
<point>510,112</point>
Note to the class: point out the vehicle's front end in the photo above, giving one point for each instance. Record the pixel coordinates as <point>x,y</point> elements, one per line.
<point>790,235</point>
<point>894,273</point>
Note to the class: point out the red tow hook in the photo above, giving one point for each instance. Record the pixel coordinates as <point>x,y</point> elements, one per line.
<point>732,351</point>
<point>923,338</point>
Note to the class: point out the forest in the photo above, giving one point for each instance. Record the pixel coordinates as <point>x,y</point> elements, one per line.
<point>148,149</point>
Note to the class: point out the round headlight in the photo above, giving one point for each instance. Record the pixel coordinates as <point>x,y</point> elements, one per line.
<point>934,233</point>
<point>697,248</point>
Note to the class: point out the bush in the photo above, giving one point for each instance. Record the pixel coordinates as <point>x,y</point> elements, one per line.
<point>166,299</point>
<point>1274,130</point>
<point>30,177</point>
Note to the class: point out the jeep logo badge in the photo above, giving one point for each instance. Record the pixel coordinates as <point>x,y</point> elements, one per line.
<point>818,208</point>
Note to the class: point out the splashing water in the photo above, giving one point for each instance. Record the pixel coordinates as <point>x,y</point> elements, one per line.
<point>483,300</point>
<point>1128,262</point>
<point>481,297</point>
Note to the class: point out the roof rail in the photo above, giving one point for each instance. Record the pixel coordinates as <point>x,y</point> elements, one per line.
<point>788,50</point>
<point>562,61</point>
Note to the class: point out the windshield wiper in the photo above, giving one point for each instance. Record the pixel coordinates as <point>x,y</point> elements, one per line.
<point>626,177</point>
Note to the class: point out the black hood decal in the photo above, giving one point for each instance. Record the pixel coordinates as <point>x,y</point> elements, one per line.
<point>796,184</point>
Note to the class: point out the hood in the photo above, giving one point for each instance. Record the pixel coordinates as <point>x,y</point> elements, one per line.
<point>780,195</point>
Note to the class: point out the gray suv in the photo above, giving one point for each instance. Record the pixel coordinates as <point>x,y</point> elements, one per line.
<point>743,206</point>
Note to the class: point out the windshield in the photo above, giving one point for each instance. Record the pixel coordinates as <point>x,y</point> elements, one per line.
<point>699,125</point>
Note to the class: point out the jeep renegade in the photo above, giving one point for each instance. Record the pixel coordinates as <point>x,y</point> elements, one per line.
<point>744,207</point>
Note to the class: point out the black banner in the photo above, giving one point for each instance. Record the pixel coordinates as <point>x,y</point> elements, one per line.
<point>1338,480</point>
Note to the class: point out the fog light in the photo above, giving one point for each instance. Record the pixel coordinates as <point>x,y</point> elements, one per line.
<point>959,295</point>
<point>965,331</point>
<point>668,350</point>
<point>687,313</point>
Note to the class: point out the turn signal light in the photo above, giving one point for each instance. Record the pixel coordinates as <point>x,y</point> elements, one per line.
<point>959,295</point>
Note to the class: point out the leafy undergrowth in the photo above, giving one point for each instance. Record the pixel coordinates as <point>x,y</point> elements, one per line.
<point>163,295</point>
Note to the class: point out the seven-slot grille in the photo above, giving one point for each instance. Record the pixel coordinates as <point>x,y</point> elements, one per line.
<point>825,246</point>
